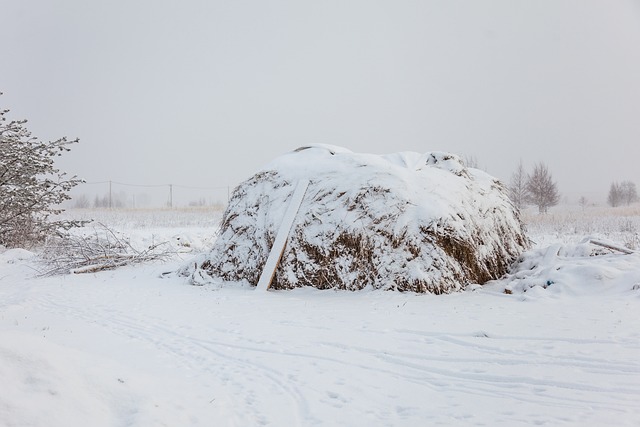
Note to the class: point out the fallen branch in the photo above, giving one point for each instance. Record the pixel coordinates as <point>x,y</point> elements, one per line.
<point>611,246</point>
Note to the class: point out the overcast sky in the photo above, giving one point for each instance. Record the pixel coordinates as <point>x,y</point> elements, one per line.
<point>203,93</point>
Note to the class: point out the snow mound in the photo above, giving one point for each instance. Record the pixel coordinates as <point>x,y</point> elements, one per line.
<point>12,256</point>
<point>575,269</point>
<point>404,221</point>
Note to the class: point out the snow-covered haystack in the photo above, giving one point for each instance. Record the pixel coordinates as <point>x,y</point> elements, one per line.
<point>405,221</point>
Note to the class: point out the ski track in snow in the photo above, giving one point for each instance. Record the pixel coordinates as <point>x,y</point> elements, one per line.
<point>325,358</point>
<point>196,354</point>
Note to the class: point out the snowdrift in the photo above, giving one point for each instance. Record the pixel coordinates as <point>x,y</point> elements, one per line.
<point>405,221</point>
<point>575,269</point>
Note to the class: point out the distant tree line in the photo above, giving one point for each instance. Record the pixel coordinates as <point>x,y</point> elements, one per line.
<point>122,200</point>
<point>116,200</point>
<point>538,188</point>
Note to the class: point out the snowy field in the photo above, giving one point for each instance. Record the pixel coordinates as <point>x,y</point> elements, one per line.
<point>129,348</point>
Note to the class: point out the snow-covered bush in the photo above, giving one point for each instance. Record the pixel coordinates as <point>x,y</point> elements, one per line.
<point>31,187</point>
<point>405,221</point>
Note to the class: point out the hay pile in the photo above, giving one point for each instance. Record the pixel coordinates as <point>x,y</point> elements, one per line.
<point>405,221</point>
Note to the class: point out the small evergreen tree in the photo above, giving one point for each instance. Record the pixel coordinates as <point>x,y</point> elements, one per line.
<point>31,188</point>
<point>583,201</point>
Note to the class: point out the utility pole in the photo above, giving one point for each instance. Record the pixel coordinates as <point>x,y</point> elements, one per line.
<point>110,203</point>
<point>170,195</point>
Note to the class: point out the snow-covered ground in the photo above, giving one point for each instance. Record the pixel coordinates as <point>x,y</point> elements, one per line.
<point>129,348</point>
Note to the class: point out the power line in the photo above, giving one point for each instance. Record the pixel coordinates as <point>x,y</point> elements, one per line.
<point>201,188</point>
<point>189,187</point>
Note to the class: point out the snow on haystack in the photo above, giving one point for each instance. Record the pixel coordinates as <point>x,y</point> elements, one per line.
<point>404,221</point>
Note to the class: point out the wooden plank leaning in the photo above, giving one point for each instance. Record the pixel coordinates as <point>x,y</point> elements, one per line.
<point>279,244</point>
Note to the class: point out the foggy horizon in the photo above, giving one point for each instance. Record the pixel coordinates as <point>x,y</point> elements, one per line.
<point>203,94</point>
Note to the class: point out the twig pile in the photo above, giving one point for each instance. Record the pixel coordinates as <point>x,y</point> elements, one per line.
<point>102,250</point>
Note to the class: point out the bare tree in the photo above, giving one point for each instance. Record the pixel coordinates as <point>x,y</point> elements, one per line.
<point>615,195</point>
<point>518,187</point>
<point>541,189</point>
<point>628,192</point>
<point>31,188</point>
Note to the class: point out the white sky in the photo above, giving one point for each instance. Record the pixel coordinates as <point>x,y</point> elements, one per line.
<point>203,93</point>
